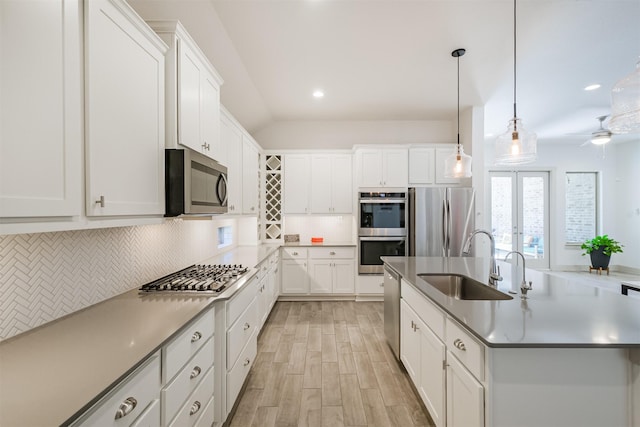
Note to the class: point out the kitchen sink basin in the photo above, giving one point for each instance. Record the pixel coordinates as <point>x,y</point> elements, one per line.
<point>463,287</point>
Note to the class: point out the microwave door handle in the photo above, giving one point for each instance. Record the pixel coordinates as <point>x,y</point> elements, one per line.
<point>223,179</point>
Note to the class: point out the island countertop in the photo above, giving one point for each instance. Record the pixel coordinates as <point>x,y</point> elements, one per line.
<point>557,313</point>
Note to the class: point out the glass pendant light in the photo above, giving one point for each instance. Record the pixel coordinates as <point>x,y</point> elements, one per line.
<point>625,104</point>
<point>516,146</point>
<point>458,164</point>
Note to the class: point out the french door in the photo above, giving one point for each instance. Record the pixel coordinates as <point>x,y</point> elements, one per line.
<point>520,215</point>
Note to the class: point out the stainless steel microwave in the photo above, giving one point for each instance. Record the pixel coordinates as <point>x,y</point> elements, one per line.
<point>194,184</point>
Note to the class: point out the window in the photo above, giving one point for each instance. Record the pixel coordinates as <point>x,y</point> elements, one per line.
<point>581,193</point>
<point>225,236</point>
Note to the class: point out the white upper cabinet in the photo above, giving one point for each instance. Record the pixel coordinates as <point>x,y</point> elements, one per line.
<point>193,93</point>
<point>331,183</point>
<point>426,165</point>
<point>231,138</point>
<point>296,183</point>
<point>250,167</point>
<point>40,108</point>
<point>124,112</point>
<point>382,167</point>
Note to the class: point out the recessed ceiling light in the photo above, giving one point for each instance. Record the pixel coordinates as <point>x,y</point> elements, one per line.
<point>592,87</point>
<point>318,93</point>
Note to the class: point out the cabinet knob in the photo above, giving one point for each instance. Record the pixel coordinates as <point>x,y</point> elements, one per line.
<point>195,372</point>
<point>459,344</point>
<point>195,408</point>
<point>125,408</point>
<point>295,253</point>
<point>332,253</point>
<point>206,146</point>
<point>246,362</point>
<point>196,336</point>
<point>100,201</point>
<point>246,326</point>
<point>253,208</point>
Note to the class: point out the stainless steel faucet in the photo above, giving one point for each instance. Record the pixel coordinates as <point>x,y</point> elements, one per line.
<point>494,270</point>
<point>524,287</point>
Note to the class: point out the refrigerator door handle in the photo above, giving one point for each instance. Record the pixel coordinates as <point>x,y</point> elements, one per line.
<point>449,221</point>
<point>445,224</point>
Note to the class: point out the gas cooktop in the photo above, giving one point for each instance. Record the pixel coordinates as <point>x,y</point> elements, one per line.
<point>203,279</point>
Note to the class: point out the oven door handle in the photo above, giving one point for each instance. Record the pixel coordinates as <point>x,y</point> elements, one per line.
<point>387,201</point>
<point>384,239</point>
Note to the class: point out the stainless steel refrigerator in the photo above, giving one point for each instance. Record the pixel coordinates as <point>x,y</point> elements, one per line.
<point>440,219</point>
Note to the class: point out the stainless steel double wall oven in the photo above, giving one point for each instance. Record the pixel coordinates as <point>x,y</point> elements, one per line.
<point>382,228</point>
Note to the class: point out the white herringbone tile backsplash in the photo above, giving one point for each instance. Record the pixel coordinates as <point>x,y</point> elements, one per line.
<point>46,276</point>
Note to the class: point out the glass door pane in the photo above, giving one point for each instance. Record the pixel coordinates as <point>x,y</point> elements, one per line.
<point>502,212</point>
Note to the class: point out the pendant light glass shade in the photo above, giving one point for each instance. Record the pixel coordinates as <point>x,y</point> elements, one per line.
<point>625,104</point>
<point>458,164</point>
<point>516,146</point>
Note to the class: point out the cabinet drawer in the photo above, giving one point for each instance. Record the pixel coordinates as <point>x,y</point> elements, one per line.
<point>428,311</point>
<point>176,392</point>
<point>206,419</point>
<point>195,404</point>
<point>240,301</point>
<point>237,375</point>
<point>240,333</point>
<point>182,348</point>
<point>466,348</point>
<point>129,399</point>
<point>150,417</point>
<point>329,252</point>
<point>294,253</point>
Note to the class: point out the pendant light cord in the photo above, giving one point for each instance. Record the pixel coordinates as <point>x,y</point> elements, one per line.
<point>514,60</point>
<point>458,105</point>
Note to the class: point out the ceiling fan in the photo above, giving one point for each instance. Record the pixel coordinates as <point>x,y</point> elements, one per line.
<point>600,136</point>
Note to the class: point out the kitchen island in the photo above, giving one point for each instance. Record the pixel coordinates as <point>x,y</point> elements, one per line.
<point>568,354</point>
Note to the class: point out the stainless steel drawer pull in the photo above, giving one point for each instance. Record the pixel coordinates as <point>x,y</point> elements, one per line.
<point>459,344</point>
<point>196,336</point>
<point>128,405</point>
<point>100,201</point>
<point>295,253</point>
<point>332,253</point>
<point>195,372</point>
<point>246,362</point>
<point>246,326</point>
<point>194,408</point>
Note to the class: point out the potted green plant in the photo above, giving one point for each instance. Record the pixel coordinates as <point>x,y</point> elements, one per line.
<point>600,249</point>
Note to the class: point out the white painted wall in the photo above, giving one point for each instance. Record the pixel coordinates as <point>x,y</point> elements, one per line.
<point>344,134</point>
<point>620,196</point>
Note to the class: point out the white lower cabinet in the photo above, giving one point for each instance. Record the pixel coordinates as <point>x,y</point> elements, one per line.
<point>465,396</point>
<point>444,362</point>
<point>322,270</point>
<point>192,409</point>
<point>129,400</point>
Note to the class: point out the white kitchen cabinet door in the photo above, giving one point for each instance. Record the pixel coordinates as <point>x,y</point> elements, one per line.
<point>465,396</point>
<point>189,98</point>
<point>211,117</point>
<point>250,166</point>
<point>342,184</point>
<point>295,279</point>
<point>331,188</point>
<point>232,138</point>
<point>40,108</point>
<point>296,183</point>
<point>421,166</point>
<point>370,168</point>
<point>395,167</point>
<point>321,274</point>
<point>321,183</point>
<point>383,167</point>
<point>124,98</point>
<point>432,382</point>
<point>343,276</point>
<point>409,342</point>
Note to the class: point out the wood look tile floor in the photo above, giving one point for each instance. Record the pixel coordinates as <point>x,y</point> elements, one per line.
<point>327,363</point>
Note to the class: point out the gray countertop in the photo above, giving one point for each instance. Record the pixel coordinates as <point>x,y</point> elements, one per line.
<point>51,374</point>
<point>557,313</point>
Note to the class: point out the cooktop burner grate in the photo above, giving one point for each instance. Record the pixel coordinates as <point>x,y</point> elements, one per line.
<point>198,279</point>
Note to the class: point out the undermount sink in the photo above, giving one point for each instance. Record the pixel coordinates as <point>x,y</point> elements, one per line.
<point>463,287</point>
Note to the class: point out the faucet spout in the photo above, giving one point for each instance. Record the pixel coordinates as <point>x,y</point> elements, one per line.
<point>524,287</point>
<point>494,270</point>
